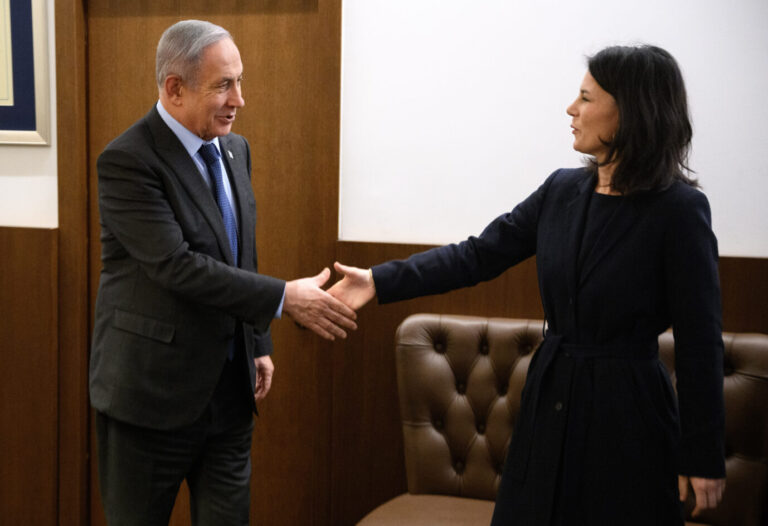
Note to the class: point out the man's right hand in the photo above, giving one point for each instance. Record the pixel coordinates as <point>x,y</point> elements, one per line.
<point>311,307</point>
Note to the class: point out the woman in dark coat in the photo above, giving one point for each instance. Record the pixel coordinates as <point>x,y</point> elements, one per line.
<point>624,250</point>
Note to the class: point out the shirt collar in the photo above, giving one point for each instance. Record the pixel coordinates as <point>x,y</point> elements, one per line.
<point>189,140</point>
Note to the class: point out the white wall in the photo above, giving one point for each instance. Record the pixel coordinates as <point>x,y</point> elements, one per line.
<point>28,174</point>
<point>454,111</point>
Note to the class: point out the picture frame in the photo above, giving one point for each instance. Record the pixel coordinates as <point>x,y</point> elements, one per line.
<point>24,77</point>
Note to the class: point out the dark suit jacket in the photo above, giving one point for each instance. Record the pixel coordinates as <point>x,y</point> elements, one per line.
<point>170,295</point>
<point>654,265</point>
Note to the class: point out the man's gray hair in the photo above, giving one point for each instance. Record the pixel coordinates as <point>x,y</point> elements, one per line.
<point>181,48</point>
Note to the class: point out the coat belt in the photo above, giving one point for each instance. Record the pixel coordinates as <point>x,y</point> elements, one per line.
<point>550,347</point>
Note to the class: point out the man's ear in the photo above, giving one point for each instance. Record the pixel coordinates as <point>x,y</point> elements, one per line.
<point>173,89</point>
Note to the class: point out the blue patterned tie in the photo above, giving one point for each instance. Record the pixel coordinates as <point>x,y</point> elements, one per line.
<point>211,156</point>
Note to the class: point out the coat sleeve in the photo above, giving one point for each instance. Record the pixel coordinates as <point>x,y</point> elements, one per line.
<point>137,216</point>
<point>508,240</point>
<point>694,304</point>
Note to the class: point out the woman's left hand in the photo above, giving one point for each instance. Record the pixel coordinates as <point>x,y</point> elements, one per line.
<point>708,492</point>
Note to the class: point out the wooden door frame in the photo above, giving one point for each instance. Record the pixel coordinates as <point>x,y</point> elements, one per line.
<point>73,243</point>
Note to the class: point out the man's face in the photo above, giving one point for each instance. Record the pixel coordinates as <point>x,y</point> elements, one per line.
<point>209,108</point>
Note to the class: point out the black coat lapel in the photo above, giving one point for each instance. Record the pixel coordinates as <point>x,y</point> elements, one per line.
<point>575,211</point>
<point>621,222</point>
<point>170,150</point>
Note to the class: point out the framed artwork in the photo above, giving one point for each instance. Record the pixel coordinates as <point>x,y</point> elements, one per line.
<point>24,85</point>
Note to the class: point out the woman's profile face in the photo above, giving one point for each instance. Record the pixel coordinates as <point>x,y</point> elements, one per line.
<point>595,119</point>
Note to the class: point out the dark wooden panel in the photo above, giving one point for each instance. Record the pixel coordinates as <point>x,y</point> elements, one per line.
<point>73,297</point>
<point>201,10</point>
<point>28,376</point>
<point>291,56</point>
<point>292,63</point>
<point>744,283</point>
<point>368,463</point>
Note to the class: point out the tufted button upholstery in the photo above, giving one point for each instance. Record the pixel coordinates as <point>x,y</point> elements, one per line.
<point>471,383</point>
<point>460,379</point>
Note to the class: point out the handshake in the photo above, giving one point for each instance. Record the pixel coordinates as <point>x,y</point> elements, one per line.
<point>329,313</point>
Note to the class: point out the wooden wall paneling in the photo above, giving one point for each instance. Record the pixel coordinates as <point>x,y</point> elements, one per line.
<point>744,284</point>
<point>28,376</point>
<point>368,462</point>
<point>291,54</point>
<point>73,298</point>
<point>292,70</point>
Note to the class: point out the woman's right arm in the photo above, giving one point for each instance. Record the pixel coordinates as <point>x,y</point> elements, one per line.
<point>506,241</point>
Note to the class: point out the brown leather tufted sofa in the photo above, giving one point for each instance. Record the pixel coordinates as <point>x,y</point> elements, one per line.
<point>460,380</point>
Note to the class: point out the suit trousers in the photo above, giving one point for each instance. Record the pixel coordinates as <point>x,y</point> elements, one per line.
<point>141,469</point>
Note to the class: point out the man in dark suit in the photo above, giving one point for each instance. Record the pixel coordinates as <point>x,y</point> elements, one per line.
<point>181,344</point>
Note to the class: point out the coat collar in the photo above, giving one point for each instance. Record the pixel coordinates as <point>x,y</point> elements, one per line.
<point>576,212</point>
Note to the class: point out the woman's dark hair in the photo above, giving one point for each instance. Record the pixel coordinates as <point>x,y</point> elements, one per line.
<point>654,136</point>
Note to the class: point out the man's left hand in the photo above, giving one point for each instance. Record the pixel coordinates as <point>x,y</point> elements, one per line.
<point>264,371</point>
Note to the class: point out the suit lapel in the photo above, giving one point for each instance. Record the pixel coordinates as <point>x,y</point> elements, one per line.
<point>170,149</point>
<point>236,162</point>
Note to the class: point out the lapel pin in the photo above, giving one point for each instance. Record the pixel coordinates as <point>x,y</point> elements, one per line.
<point>230,154</point>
